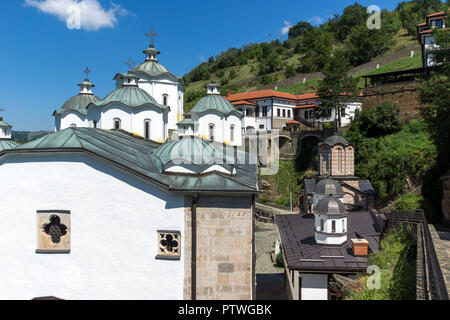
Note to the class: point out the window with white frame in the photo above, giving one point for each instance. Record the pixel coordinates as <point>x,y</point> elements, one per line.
<point>232,133</point>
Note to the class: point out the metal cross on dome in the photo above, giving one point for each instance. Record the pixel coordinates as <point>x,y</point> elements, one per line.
<point>130,63</point>
<point>86,72</point>
<point>152,36</point>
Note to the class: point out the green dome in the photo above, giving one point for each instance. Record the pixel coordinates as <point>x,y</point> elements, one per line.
<point>195,153</point>
<point>78,103</point>
<point>215,102</point>
<point>131,96</point>
<point>151,68</point>
<point>7,144</point>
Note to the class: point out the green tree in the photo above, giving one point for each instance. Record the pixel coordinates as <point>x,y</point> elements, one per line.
<point>316,48</point>
<point>363,44</point>
<point>337,88</point>
<point>380,121</point>
<point>300,29</point>
<point>353,15</point>
<point>290,71</point>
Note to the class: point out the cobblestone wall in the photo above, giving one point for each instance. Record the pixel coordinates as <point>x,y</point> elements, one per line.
<point>225,248</point>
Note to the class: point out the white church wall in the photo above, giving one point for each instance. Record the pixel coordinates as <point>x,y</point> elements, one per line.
<point>204,120</point>
<point>165,85</point>
<point>235,121</point>
<point>158,120</point>
<point>70,119</point>
<point>114,222</point>
<point>5,133</point>
<point>112,112</point>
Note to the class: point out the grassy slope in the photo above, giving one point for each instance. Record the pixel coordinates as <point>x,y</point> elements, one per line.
<point>397,261</point>
<point>250,71</point>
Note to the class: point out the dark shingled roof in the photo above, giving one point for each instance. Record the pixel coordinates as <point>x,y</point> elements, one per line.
<point>330,206</point>
<point>334,140</point>
<point>328,186</point>
<point>303,253</point>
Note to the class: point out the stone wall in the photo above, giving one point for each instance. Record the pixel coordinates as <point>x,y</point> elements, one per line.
<point>225,248</point>
<point>405,94</point>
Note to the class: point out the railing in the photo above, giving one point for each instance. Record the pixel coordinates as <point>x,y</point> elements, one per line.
<point>431,281</point>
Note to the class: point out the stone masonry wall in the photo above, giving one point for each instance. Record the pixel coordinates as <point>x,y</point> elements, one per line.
<point>225,248</point>
<point>404,94</point>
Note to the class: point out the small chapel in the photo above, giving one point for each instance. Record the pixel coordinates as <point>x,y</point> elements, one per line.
<point>336,169</point>
<point>335,230</point>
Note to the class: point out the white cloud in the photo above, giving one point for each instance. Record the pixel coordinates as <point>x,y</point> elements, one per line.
<point>315,20</point>
<point>285,29</point>
<point>80,14</point>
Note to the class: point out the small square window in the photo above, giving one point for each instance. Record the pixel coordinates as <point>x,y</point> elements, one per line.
<point>169,245</point>
<point>53,231</point>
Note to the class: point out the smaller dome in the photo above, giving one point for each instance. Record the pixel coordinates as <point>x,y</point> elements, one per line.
<point>328,187</point>
<point>131,96</point>
<point>77,103</point>
<point>215,103</point>
<point>193,152</point>
<point>336,139</point>
<point>330,206</point>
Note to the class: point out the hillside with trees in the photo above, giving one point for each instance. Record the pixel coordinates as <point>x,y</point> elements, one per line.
<point>308,48</point>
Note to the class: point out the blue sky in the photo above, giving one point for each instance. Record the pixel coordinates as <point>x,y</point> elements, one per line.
<point>42,59</point>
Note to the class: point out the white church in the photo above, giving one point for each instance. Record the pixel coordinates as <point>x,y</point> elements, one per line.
<point>108,207</point>
<point>147,101</point>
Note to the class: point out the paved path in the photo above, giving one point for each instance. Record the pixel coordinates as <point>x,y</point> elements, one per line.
<point>269,279</point>
<point>441,241</point>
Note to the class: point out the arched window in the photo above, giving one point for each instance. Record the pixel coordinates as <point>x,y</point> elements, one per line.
<point>117,124</point>
<point>211,131</point>
<point>340,160</point>
<point>147,128</point>
<point>165,99</point>
<point>73,125</point>
<point>232,133</point>
<point>322,225</point>
<point>333,226</point>
<point>95,123</point>
<point>343,225</point>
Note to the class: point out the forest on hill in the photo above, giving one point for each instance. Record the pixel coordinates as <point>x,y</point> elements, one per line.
<point>308,48</point>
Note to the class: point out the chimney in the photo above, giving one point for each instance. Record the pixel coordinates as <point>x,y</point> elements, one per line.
<point>360,247</point>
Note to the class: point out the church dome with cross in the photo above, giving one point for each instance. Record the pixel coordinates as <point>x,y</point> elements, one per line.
<point>74,111</point>
<point>151,67</point>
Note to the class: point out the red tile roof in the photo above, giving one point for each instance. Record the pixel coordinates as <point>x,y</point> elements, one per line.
<point>243,102</point>
<point>307,96</point>
<point>259,95</point>
<point>292,122</point>
<point>440,13</point>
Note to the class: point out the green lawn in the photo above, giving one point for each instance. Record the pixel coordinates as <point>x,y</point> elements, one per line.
<point>397,261</point>
<point>308,86</point>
